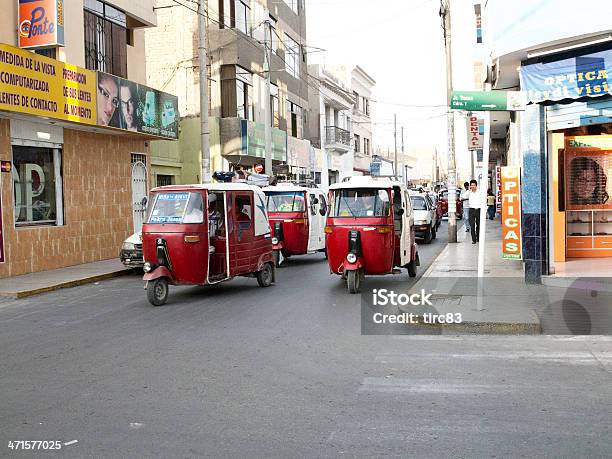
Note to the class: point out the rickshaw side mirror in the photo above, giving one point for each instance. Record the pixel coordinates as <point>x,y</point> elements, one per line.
<point>323,211</point>
<point>315,201</point>
<point>144,201</point>
<point>400,212</point>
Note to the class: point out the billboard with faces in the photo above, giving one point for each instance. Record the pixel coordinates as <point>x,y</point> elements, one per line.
<point>126,105</point>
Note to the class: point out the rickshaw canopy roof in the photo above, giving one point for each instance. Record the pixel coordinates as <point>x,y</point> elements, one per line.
<point>209,187</point>
<point>366,182</point>
<point>290,188</point>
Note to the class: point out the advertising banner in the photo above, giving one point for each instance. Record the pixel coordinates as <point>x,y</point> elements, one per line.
<point>2,259</point>
<point>582,76</point>
<point>126,105</point>
<point>588,166</point>
<point>41,86</point>
<point>511,213</point>
<point>498,190</point>
<point>41,23</point>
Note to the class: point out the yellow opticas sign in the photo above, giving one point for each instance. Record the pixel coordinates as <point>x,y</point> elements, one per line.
<point>41,86</point>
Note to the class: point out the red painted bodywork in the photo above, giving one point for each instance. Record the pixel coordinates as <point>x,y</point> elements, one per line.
<point>190,260</point>
<point>377,248</point>
<point>295,235</point>
<point>443,205</point>
<point>160,271</point>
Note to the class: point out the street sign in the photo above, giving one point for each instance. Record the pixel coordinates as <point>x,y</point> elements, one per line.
<point>475,133</point>
<point>488,100</point>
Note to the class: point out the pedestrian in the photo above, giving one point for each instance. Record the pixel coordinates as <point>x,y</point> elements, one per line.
<point>474,201</point>
<point>491,202</point>
<point>465,194</point>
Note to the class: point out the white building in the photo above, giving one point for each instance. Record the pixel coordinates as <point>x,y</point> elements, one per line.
<point>330,123</point>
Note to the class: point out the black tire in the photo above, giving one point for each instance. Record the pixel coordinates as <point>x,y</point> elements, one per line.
<point>434,232</point>
<point>412,268</point>
<point>277,256</point>
<point>265,276</point>
<point>354,281</point>
<point>157,291</point>
<point>428,236</point>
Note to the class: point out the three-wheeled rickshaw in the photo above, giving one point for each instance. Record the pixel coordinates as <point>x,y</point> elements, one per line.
<point>370,230</point>
<point>297,217</point>
<point>205,234</point>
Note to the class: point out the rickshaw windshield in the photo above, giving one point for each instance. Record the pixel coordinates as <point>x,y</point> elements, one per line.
<point>282,201</point>
<point>418,203</point>
<point>367,202</point>
<point>177,208</point>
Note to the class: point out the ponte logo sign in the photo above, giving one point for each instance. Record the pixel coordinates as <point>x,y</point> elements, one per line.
<point>41,23</point>
<point>511,212</point>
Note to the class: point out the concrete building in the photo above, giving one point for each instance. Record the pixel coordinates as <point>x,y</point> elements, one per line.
<point>560,56</point>
<point>74,130</point>
<point>362,86</point>
<point>236,32</point>
<point>330,113</point>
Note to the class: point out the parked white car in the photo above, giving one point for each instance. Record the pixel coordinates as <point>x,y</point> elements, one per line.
<point>131,252</point>
<point>425,221</point>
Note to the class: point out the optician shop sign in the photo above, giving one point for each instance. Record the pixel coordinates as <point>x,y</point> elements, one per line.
<point>511,213</point>
<point>41,23</point>
<point>41,86</point>
<point>582,76</point>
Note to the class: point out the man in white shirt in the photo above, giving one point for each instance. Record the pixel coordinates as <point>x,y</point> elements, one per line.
<point>475,203</point>
<point>465,194</point>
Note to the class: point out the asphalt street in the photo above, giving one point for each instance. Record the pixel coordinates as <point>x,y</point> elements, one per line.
<point>239,371</point>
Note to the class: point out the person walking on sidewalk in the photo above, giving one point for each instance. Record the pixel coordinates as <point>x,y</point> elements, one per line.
<point>465,194</point>
<point>491,202</point>
<point>475,204</point>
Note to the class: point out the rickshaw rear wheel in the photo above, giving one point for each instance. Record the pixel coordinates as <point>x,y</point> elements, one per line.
<point>354,281</point>
<point>157,291</point>
<point>412,268</point>
<point>265,276</point>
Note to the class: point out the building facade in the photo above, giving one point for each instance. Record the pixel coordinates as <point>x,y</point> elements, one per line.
<point>237,32</point>
<point>562,140</point>
<point>75,121</point>
<point>330,114</point>
<point>362,86</point>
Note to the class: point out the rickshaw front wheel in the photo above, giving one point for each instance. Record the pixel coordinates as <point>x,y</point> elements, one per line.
<point>265,276</point>
<point>354,281</point>
<point>277,256</point>
<point>412,268</point>
<point>157,291</point>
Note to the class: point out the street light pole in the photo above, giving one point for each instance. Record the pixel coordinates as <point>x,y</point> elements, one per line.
<point>267,102</point>
<point>204,131</point>
<point>452,166</point>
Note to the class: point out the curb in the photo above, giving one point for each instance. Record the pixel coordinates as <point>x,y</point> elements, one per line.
<point>73,283</point>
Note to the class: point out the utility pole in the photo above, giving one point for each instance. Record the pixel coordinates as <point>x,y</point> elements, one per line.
<point>395,171</point>
<point>403,158</point>
<point>452,167</point>
<point>267,102</point>
<point>204,132</point>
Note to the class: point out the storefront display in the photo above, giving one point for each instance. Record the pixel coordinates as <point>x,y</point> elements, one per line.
<point>587,166</point>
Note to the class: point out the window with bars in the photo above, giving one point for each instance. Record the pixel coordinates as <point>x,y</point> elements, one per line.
<point>164,180</point>
<point>139,157</point>
<point>105,38</point>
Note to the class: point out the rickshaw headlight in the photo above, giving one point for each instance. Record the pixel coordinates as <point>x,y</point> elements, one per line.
<point>274,241</point>
<point>351,258</point>
<point>147,267</point>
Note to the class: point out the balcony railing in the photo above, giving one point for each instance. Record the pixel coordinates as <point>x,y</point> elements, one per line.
<point>335,134</point>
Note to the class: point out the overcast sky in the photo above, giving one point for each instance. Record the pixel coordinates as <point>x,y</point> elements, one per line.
<point>399,43</point>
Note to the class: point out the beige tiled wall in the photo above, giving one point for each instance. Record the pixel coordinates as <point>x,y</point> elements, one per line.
<point>97,205</point>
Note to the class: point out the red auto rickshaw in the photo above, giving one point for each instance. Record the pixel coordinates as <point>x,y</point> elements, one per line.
<point>370,230</point>
<point>297,217</point>
<point>205,234</point>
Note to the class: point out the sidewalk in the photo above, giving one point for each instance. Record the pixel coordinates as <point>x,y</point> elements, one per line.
<point>46,281</point>
<point>508,305</point>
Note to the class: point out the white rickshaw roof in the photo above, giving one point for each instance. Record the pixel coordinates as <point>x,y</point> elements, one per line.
<point>366,182</point>
<point>288,187</point>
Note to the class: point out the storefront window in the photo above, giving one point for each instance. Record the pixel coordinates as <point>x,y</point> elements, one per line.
<point>37,186</point>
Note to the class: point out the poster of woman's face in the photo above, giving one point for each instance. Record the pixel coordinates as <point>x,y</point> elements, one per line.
<point>588,182</point>
<point>108,100</point>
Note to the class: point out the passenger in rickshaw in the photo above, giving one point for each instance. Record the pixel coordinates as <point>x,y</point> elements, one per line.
<point>215,218</point>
